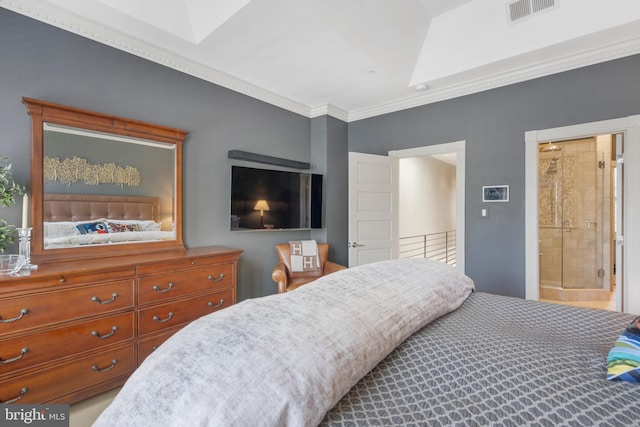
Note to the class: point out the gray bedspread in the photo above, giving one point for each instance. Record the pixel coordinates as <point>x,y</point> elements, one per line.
<point>498,361</point>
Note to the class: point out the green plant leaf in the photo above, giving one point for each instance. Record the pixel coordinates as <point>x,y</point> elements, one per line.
<point>9,189</point>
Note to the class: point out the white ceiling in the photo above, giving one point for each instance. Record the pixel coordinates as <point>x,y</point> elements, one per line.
<point>352,59</point>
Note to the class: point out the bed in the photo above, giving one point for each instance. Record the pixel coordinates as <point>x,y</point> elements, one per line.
<point>396,343</point>
<point>85,219</point>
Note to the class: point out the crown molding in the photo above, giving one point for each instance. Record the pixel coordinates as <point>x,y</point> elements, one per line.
<point>515,75</point>
<point>330,110</point>
<point>338,113</point>
<point>94,31</point>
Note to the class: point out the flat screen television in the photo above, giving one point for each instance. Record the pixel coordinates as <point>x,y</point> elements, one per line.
<point>263,199</point>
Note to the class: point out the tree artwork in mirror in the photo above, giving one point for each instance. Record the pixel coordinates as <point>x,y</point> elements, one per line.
<point>102,184</point>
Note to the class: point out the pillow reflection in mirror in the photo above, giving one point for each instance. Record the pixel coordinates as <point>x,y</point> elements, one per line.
<point>117,227</point>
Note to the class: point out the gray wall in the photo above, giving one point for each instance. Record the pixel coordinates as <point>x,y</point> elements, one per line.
<point>40,61</point>
<point>330,155</point>
<point>493,124</point>
<point>337,198</point>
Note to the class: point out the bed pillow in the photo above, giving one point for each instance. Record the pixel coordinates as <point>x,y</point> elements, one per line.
<point>623,362</point>
<point>60,229</point>
<point>118,227</point>
<point>149,226</point>
<point>97,227</point>
<point>286,359</point>
<point>143,225</point>
<point>55,229</point>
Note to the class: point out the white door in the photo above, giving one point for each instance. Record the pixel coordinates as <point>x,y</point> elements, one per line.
<point>373,208</point>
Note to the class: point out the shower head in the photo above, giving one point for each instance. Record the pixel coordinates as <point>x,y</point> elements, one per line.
<point>553,167</point>
<point>549,148</point>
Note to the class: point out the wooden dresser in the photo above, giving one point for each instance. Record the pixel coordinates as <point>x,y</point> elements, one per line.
<point>70,330</point>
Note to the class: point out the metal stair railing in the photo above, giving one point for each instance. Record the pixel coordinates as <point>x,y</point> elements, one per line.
<point>437,246</point>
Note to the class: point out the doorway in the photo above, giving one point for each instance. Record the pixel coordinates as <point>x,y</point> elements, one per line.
<point>576,189</point>
<point>628,184</point>
<point>373,203</point>
<point>442,238</point>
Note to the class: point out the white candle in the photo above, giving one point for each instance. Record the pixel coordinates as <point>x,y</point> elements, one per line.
<point>25,210</point>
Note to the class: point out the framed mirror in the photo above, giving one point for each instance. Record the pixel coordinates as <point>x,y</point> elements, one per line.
<point>102,185</point>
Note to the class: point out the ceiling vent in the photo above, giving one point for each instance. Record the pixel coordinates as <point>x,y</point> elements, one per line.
<point>520,9</point>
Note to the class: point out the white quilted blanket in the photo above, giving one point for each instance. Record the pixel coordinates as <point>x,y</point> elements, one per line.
<point>286,359</point>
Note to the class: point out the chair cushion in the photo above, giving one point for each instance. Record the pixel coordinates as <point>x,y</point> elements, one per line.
<point>295,283</point>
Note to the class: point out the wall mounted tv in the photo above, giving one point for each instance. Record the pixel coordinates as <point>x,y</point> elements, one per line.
<point>263,199</point>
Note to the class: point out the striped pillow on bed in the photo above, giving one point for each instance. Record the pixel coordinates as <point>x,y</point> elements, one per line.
<point>623,362</point>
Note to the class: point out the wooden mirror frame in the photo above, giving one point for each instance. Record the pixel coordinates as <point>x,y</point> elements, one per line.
<point>47,112</point>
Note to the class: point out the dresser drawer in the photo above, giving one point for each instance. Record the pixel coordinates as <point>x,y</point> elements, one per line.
<point>30,350</point>
<point>31,311</point>
<point>85,278</point>
<point>179,264</point>
<point>176,284</point>
<point>157,318</point>
<point>50,383</point>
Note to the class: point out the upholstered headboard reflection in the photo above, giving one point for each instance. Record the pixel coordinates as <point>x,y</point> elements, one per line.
<point>84,207</point>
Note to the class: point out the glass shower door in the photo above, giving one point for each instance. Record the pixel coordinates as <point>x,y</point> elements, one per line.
<point>571,185</point>
<point>583,219</point>
<point>550,213</point>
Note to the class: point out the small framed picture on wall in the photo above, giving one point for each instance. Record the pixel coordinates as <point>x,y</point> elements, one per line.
<point>495,193</point>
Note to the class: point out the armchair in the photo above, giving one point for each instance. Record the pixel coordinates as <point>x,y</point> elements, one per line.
<point>288,280</point>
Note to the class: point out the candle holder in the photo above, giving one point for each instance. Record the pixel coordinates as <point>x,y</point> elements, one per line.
<point>24,240</point>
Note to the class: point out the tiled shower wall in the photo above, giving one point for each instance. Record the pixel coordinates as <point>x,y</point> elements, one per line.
<point>574,202</point>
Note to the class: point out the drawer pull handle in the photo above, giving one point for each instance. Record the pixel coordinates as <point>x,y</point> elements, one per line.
<point>15,359</point>
<point>15,399</point>
<point>167,289</point>
<point>113,298</point>
<point>154,348</point>
<point>220,304</point>
<point>96,368</point>
<point>157,319</point>
<point>98,335</point>
<point>216,279</point>
<point>20,316</point>
<point>62,279</point>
